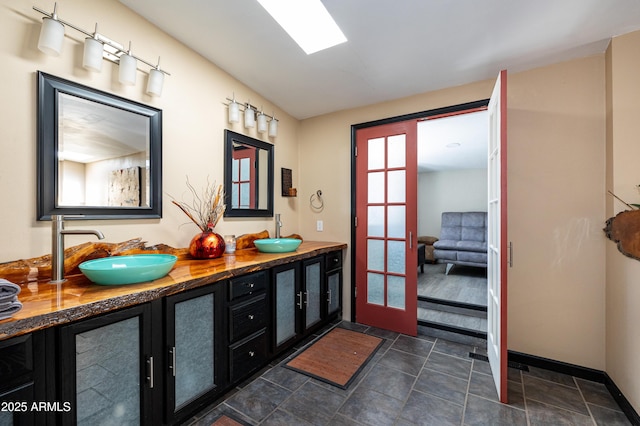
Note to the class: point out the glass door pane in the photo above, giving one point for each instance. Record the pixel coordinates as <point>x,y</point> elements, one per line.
<point>108,374</point>
<point>194,352</point>
<point>313,283</point>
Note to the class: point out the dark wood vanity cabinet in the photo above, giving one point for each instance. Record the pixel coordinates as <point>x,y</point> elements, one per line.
<point>160,362</point>
<point>305,296</point>
<point>248,318</point>
<point>22,384</point>
<point>126,365</point>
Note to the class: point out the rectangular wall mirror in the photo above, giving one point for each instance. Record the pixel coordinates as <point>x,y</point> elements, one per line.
<point>248,176</point>
<point>99,155</point>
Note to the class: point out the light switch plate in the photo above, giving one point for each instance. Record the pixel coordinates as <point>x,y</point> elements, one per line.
<point>319,226</point>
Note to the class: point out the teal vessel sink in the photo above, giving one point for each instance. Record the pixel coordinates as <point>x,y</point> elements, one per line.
<point>277,245</point>
<point>120,270</point>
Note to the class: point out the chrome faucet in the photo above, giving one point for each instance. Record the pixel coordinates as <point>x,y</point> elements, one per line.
<point>278,225</point>
<point>57,245</point>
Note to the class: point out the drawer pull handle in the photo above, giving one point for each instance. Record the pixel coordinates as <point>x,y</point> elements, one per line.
<point>252,354</point>
<point>299,300</point>
<point>250,285</point>
<point>250,316</point>
<point>329,296</point>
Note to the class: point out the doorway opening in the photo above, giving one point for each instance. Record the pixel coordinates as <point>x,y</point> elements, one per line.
<point>452,210</point>
<point>466,161</point>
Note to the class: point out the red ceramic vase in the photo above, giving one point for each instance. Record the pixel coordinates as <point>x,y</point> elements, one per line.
<point>207,245</point>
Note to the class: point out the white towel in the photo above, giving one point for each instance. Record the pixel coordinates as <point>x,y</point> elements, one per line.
<point>9,303</point>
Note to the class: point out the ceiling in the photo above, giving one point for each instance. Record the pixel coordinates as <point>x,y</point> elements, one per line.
<point>395,48</point>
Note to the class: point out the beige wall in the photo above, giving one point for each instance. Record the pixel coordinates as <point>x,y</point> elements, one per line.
<point>193,112</point>
<point>449,191</point>
<point>556,172</point>
<point>556,204</point>
<point>623,152</point>
<point>556,211</point>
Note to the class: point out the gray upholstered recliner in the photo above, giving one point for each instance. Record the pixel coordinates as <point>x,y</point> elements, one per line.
<point>463,239</point>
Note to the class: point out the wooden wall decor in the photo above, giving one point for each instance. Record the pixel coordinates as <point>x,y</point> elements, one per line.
<point>624,229</point>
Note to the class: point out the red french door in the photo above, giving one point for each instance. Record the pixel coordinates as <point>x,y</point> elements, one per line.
<point>386,227</point>
<point>243,178</point>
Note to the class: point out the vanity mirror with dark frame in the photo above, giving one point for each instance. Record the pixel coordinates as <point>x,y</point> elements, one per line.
<point>248,176</point>
<point>99,155</point>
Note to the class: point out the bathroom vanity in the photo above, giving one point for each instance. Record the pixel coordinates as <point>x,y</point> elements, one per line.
<point>158,352</point>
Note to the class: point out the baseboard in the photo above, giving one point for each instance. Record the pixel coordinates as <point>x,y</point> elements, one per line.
<point>582,373</point>
<point>623,402</point>
<point>558,366</point>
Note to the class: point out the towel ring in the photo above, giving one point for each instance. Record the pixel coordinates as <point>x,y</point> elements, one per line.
<point>316,201</point>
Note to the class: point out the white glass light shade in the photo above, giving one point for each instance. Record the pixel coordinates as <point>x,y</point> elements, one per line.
<point>262,123</point>
<point>273,128</point>
<point>249,118</point>
<point>127,70</point>
<point>234,112</point>
<point>155,82</point>
<point>92,58</point>
<point>51,37</point>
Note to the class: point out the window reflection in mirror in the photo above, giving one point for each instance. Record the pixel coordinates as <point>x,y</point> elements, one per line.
<point>103,155</point>
<point>248,176</point>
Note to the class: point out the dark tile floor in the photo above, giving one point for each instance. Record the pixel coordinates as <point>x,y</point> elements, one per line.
<point>417,381</point>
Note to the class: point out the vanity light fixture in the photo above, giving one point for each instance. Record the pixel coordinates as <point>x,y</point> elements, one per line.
<point>96,48</point>
<point>265,123</point>
<point>51,34</point>
<point>127,68</point>
<point>156,80</point>
<point>249,116</point>
<point>273,127</point>
<point>234,110</point>
<point>262,122</point>
<point>93,48</point>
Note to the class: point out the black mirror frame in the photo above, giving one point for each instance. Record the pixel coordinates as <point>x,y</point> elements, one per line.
<point>230,137</point>
<point>47,192</point>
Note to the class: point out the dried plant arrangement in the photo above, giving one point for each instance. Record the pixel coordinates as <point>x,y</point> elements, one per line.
<point>205,209</point>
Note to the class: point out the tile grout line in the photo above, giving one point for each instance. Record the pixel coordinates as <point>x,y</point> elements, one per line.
<point>584,400</point>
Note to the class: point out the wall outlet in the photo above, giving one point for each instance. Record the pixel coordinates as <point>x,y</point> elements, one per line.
<point>319,226</point>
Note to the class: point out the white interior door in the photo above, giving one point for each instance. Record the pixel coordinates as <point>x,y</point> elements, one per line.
<point>497,237</point>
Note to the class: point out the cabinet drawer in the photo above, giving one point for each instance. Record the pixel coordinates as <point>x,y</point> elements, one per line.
<point>246,318</point>
<point>333,260</point>
<point>247,355</point>
<point>247,284</point>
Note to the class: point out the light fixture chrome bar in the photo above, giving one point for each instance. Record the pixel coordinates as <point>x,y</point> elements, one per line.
<point>245,105</point>
<point>113,54</point>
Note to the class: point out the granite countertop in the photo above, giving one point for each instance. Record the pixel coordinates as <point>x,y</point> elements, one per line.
<point>46,305</point>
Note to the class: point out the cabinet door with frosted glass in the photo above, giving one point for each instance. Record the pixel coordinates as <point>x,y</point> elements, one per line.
<point>312,289</point>
<point>287,303</point>
<point>107,368</point>
<point>195,343</point>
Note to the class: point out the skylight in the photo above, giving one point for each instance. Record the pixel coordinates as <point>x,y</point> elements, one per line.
<point>307,22</point>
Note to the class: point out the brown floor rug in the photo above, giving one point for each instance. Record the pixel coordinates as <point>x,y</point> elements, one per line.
<point>337,357</point>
